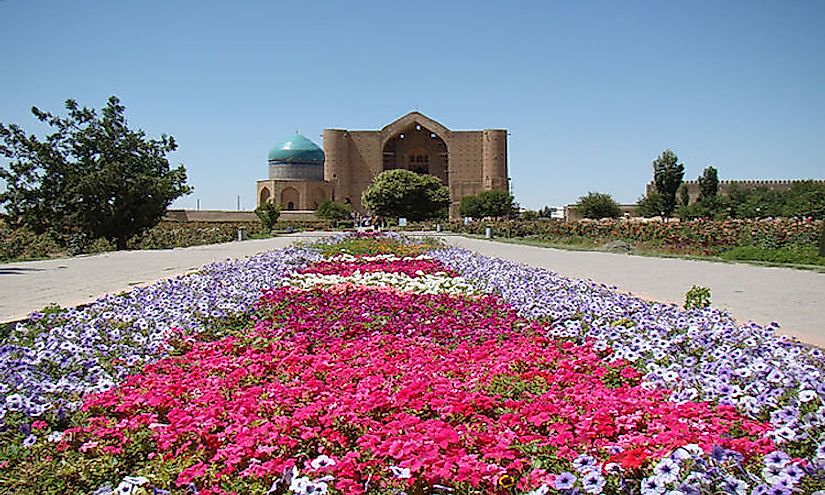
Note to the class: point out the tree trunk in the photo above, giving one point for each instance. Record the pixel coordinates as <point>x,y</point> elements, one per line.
<point>121,242</point>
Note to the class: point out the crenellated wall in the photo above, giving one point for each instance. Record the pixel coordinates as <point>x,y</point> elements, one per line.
<point>726,185</point>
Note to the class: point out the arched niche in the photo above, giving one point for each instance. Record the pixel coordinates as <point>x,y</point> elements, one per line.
<point>290,198</point>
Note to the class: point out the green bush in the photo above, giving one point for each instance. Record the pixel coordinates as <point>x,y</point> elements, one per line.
<point>23,244</point>
<point>268,214</point>
<point>598,205</point>
<point>697,297</point>
<point>793,254</point>
<point>333,210</point>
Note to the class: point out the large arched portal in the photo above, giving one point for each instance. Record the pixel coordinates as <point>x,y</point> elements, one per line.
<point>418,149</point>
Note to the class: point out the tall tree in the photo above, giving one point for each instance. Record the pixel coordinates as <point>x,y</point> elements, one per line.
<point>487,204</point>
<point>708,183</point>
<point>401,193</point>
<point>92,176</point>
<point>668,175</point>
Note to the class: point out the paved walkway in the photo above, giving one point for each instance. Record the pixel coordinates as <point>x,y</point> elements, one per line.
<point>794,298</point>
<point>30,285</point>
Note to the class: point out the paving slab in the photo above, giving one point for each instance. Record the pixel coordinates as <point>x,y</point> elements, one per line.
<point>793,298</point>
<point>31,285</point>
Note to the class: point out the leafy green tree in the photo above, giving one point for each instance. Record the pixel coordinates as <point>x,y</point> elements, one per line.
<point>487,204</point>
<point>708,183</point>
<point>598,205</point>
<point>650,205</point>
<point>668,175</point>
<point>805,199</point>
<point>470,207</point>
<point>92,177</point>
<point>401,193</point>
<point>822,240</point>
<point>684,196</point>
<point>529,215</point>
<point>268,214</point>
<point>333,210</point>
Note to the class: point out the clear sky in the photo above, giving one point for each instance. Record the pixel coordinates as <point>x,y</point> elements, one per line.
<point>591,91</point>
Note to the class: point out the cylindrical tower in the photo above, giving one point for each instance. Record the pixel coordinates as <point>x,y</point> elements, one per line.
<point>298,159</point>
<point>494,159</point>
<point>336,166</point>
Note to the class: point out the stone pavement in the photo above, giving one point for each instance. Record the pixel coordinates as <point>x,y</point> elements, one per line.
<point>30,285</point>
<point>794,298</point>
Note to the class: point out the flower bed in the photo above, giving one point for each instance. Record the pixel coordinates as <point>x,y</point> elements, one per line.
<point>459,374</point>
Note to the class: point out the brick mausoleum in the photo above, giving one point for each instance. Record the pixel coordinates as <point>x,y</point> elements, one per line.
<point>302,176</point>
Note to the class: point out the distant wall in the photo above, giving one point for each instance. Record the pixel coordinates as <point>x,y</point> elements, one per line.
<point>234,216</point>
<point>726,185</point>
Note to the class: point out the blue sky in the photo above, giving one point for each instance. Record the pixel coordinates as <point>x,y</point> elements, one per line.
<point>591,91</point>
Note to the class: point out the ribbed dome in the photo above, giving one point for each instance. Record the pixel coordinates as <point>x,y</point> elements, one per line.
<point>297,149</point>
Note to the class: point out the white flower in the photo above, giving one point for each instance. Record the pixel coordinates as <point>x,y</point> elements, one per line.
<point>806,395</point>
<point>322,461</point>
<point>542,490</point>
<point>667,471</point>
<point>401,473</point>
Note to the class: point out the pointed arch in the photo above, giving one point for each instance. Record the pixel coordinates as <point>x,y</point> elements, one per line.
<point>412,119</point>
<point>290,198</point>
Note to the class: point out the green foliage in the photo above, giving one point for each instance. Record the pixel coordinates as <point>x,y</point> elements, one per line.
<point>529,215</point>
<point>684,196</point>
<point>92,177</point>
<point>370,246</point>
<point>268,214</point>
<point>793,254</point>
<point>333,210</point>
<point>650,205</point>
<point>668,175</point>
<point>715,207</point>
<point>487,204</point>
<point>805,199</point>
<point>598,205</point>
<point>23,244</point>
<point>708,183</point>
<point>822,241</point>
<point>401,193</point>
<point>697,297</point>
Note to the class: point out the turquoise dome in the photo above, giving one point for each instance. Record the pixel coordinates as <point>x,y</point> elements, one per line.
<point>297,149</point>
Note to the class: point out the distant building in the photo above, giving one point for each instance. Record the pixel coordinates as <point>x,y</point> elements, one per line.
<point>301,175</point>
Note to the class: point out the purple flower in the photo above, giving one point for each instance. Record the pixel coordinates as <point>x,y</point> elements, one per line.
<point>565,481</point>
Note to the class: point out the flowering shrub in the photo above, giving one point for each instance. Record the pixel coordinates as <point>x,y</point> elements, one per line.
<point>386,373</point>
<point>706,237</point>
<point>448,390</point>
<point>699,354</point>
<point>54,358</point>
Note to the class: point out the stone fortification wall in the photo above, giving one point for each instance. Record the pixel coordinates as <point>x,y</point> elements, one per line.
<point>234,216</point>
<point>726,185</point>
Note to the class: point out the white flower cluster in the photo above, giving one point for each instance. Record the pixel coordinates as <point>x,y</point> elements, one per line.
<point>423,284</point>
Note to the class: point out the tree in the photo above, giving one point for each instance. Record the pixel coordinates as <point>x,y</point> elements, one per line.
<point>598,205</point>
<point>668,175</point>
<point>92,177</point>
<point>708,183</point>
<point>401,193</point>
<point>268,214</point>
<point>529,215</point>
<point>487,204</point>
<point>650,205</point>
<point>333,210</point>
<point>684,196</point>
